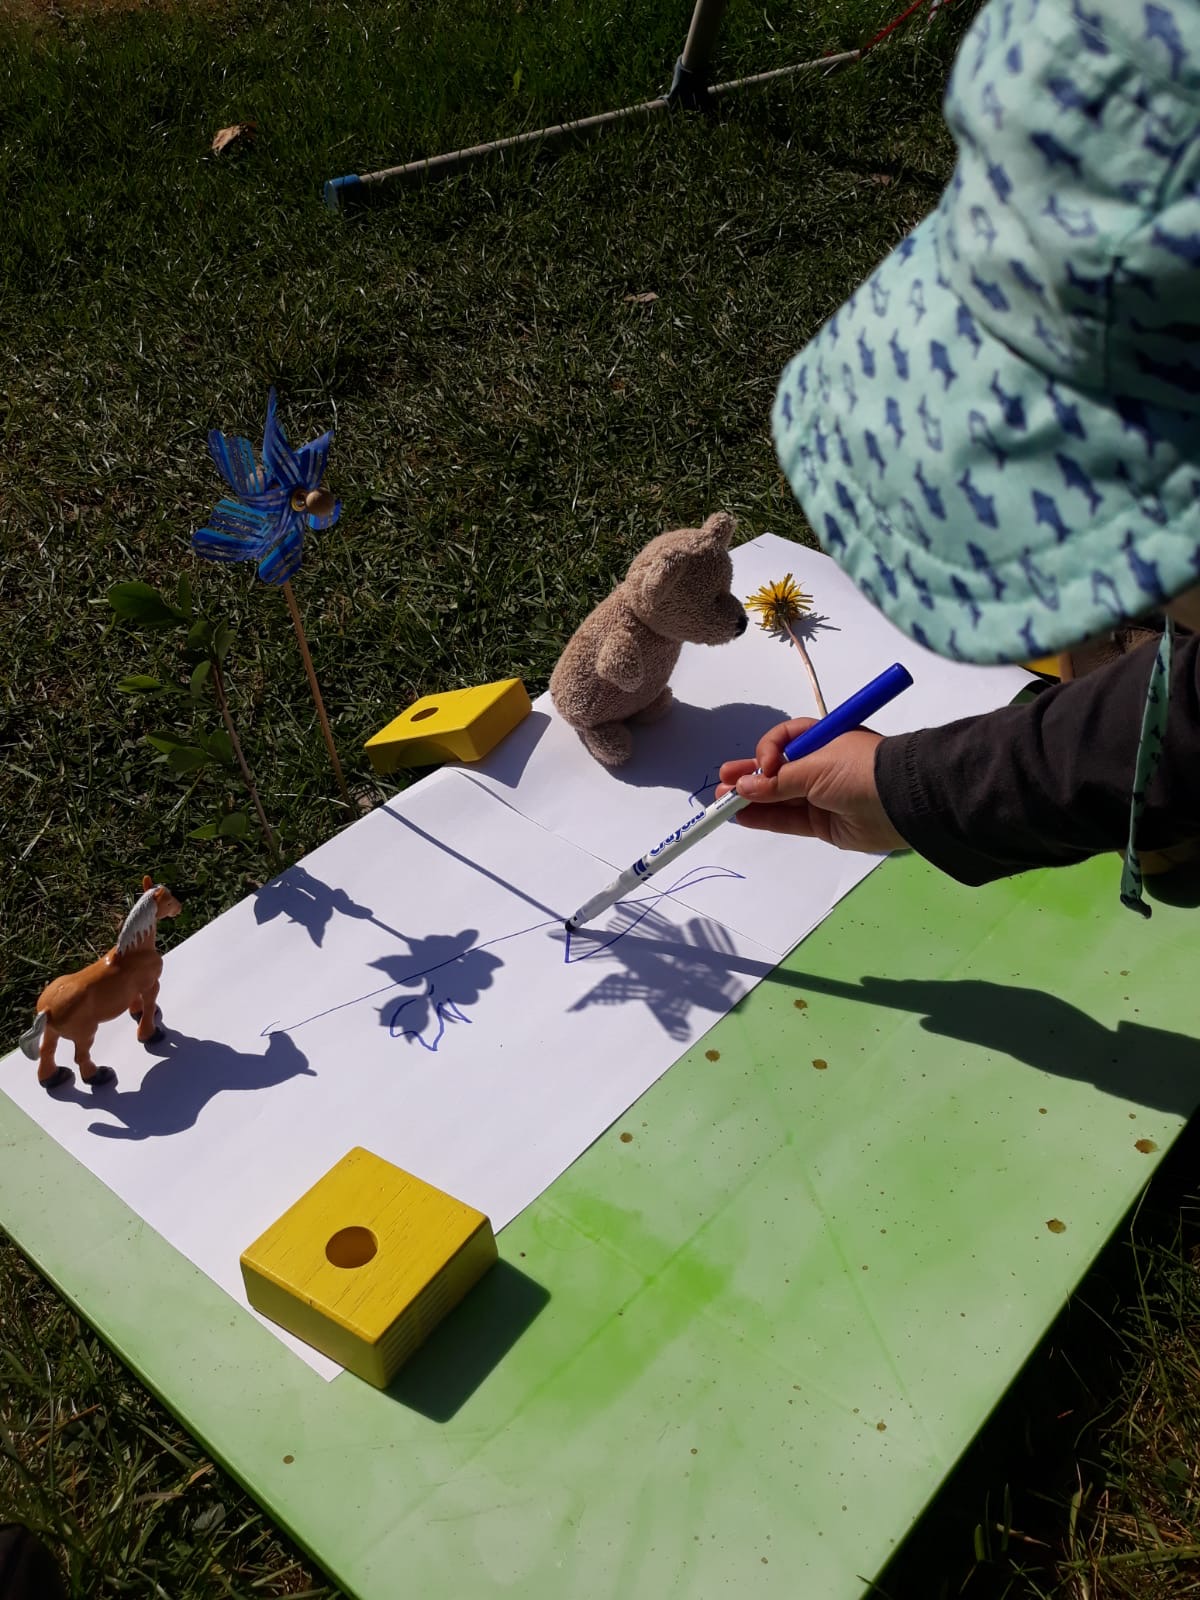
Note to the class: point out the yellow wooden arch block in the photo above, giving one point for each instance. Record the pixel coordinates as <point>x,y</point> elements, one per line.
<point>460,725</point>
<point>367,1263</point>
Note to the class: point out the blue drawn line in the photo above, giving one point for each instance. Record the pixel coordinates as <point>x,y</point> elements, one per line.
<point>447,1010</point>
<point>444,1010</point>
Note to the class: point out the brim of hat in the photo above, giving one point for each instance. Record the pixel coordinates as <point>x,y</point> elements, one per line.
<point>992,512</point>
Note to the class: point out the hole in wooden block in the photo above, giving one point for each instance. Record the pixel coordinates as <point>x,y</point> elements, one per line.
<point>419,716</point>
<point>352,1247</point>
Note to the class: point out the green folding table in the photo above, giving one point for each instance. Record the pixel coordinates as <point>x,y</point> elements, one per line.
<point>744,1338</point>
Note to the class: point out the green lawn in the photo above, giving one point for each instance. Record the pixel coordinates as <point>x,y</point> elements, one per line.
<point>514,419</point>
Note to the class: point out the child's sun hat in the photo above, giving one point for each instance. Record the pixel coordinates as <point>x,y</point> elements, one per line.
<point>998,436</point>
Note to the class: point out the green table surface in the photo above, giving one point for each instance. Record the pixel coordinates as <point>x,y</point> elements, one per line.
<point>742,1340</point>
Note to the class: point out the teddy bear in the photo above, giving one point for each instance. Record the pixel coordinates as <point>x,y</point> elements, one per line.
<point>616,667</point>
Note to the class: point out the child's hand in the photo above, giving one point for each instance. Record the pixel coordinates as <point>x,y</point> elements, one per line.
<point>830,795</point>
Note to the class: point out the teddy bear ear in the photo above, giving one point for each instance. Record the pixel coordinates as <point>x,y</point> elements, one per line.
<point>651,579</point>
<point>720,529</point>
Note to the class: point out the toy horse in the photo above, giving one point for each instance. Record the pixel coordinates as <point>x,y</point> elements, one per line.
<point>126,979</point>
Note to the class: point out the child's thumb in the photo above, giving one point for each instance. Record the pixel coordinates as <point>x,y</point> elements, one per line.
<point>754,786</point>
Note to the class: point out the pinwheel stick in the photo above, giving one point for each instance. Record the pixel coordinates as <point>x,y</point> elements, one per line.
<point>316,689</point>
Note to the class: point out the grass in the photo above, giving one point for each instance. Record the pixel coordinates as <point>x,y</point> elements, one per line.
<point>513,421</point>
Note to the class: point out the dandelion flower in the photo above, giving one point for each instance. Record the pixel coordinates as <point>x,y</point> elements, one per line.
<point>779,603</point>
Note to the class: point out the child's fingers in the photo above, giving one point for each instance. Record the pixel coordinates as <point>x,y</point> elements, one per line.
<point>794,819</point>
<point>769,753</point>
<point>730,772</point>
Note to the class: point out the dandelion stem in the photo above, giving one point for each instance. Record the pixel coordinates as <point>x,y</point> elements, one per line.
<point>808,667</point>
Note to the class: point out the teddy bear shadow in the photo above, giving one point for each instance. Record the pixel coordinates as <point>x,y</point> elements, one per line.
<point>685,750</point>
<point>189,1073</point>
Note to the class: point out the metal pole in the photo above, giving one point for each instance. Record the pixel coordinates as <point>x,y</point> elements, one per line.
<point>441,166</point>
<point>689,86</point>
<point>690,89</point>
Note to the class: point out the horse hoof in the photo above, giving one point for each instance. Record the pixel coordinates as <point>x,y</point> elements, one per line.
<point>101,1078</point>
<point>57,1079</point>
<point>159,1033</point>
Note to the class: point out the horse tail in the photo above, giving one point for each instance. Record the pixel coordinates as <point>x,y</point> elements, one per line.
<point>31,1040</point>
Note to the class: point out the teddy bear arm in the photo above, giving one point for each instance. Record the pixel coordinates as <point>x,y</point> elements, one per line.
<point>619,661</point>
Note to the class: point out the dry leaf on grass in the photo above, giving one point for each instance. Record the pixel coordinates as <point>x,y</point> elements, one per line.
<point>641,299</point>
<point>224,137</point>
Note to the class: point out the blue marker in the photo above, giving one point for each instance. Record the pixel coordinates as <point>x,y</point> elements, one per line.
<point>850,714</point>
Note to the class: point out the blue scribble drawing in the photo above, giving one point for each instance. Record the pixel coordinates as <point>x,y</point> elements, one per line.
<point>464,964</point>
<point>443,1011</point>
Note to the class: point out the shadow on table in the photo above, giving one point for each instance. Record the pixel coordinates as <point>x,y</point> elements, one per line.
<point>1153,1066</point>
<point>471,1343</point>
<point>309,903</point>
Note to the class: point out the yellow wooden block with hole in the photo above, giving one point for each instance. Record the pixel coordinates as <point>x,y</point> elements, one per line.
<point>367,1263</point>
<point>461,725</point>
<point>1048,666</point>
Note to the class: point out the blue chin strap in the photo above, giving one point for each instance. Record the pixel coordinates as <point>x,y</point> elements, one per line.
<point>1154,730</point>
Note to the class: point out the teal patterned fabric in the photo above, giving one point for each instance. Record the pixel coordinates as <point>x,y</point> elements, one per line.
<point>1154,731</point>
<point>998,436</point>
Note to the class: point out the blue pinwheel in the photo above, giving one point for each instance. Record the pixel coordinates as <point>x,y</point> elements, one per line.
<point>276,502</point>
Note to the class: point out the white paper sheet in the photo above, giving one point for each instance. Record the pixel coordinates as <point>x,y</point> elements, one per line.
<point>726,697</point>
<point>409,987</point>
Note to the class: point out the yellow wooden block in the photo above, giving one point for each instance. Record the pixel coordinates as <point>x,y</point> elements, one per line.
<point>462,725</point>
<point>367,1263</point>
<point>1048,666</point>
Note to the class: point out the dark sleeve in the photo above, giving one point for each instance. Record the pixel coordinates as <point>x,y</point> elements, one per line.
<point>1048,783</point>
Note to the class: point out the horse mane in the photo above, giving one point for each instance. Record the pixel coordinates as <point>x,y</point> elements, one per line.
<point>140,920</point>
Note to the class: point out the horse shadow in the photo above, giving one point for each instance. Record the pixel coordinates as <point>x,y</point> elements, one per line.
<point>449,973</point>
<point>178,1087</point>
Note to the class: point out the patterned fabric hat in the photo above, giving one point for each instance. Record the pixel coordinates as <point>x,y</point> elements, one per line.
<point>998,436</point>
